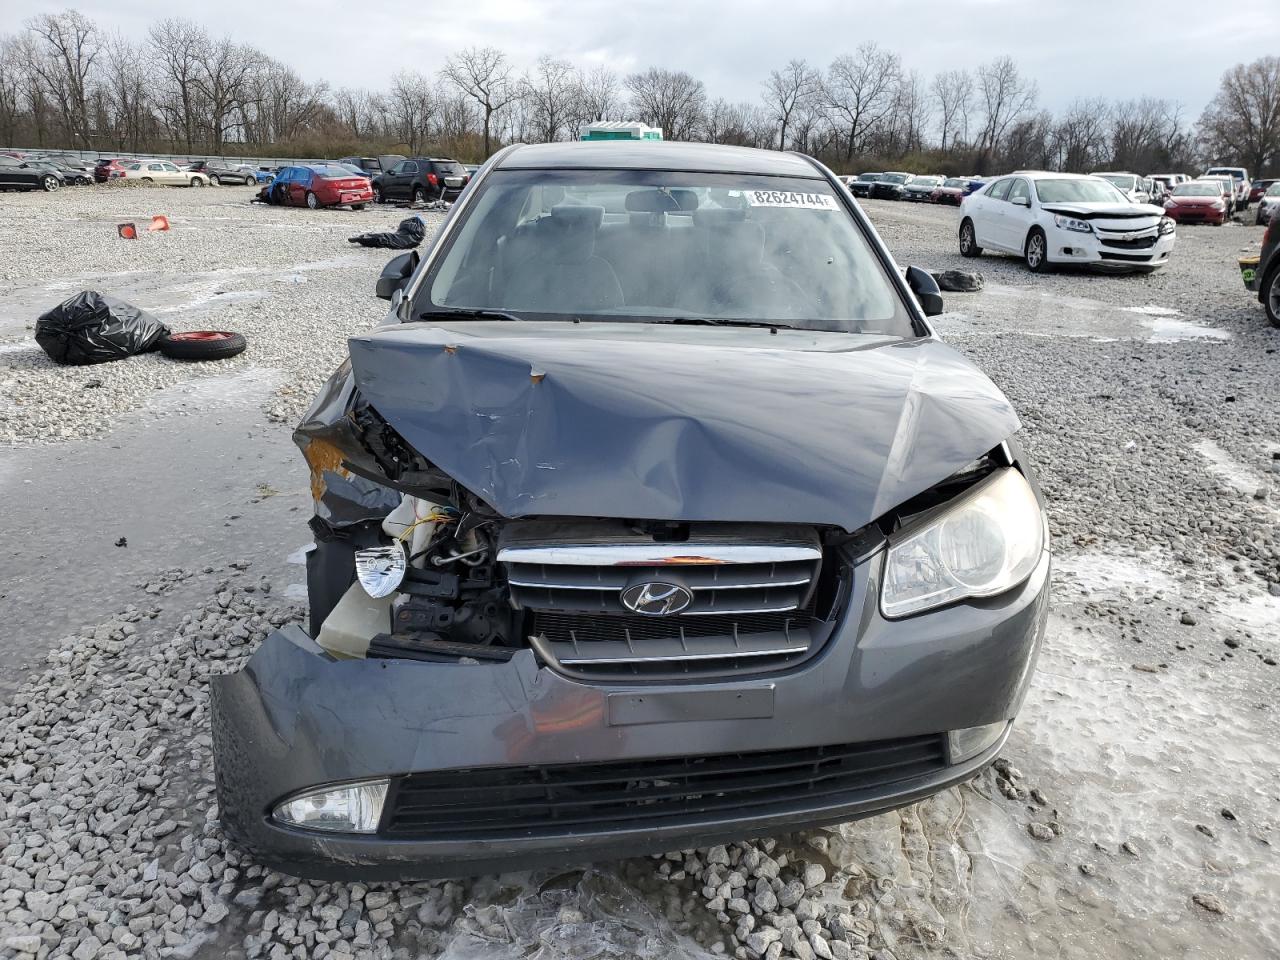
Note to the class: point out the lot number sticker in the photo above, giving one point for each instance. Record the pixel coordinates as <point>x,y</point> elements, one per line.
<point>789,198</point>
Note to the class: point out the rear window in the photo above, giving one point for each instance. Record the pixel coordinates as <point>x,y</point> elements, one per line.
<point>332,171</point>
<point>449,168</point>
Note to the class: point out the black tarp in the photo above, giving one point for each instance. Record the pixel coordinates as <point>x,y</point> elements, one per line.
<point>407,236</point>
<point>93,327</point>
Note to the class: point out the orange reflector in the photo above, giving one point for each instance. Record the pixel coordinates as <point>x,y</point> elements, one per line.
<point>127,231</point>
<point>158,222</point>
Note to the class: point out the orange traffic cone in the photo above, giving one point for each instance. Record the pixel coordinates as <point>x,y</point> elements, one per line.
<point>158,222</point>
<point>127,231</point>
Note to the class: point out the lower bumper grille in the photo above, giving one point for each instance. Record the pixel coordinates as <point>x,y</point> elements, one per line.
<point>493,803</point>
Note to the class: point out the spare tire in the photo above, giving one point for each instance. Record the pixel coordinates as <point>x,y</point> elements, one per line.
<point>202,345</point>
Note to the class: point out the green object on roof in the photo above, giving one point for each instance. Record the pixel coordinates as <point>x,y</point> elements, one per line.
<point>621,130</point>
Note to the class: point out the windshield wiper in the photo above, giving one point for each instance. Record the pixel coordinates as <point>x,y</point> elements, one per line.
<point>725,322</point>
<point>467,313</point>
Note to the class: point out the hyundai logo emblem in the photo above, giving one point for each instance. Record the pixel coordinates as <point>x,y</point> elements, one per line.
<point>656,599</point>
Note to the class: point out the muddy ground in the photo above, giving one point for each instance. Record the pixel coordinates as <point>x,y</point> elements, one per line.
<point>1135,810</point>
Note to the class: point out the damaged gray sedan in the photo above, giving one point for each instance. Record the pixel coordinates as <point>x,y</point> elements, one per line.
<point>654,516</point>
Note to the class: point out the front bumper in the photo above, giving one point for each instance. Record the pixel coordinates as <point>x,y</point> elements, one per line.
<point>1067,246</point>
<point>294,718</point>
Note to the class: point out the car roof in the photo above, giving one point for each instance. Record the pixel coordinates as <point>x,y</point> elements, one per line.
<point>656,155</point>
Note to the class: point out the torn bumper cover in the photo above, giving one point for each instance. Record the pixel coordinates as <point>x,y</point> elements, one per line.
<point>542,769</point>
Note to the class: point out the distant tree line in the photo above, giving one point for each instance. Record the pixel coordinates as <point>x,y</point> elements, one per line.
<point>67,83</point>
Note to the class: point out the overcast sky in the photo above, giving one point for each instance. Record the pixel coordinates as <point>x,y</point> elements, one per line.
<point>1072,48</point>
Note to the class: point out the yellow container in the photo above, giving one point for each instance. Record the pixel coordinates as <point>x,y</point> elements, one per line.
<point>1249,272</point>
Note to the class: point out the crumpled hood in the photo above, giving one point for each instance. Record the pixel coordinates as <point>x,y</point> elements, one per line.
<point>1110,211</point>
<point>681,423</point>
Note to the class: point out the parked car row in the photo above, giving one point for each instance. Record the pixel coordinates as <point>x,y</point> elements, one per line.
<point>918,188</point>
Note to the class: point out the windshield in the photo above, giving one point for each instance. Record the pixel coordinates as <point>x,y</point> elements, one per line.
<point>896,177</point>
<point>869,177</point>
<point>654,246</point>
<point>1119,179</point>
<point>1273,190</point>
<point>1233,172</point>
<point>1078,191</point>
<point>1197,190</point>
<point>926,181</point>
<point>953,182</point>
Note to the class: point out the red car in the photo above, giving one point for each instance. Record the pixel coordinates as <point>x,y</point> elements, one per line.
<point>318,185</point>
<point>1258,188</point>
<point>1197,201</point>
<point>109,169</point>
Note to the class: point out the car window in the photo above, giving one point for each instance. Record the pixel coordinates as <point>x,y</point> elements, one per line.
<point>1020,190</point>
<point>406,167</point>
<point>448,168</point>
<point>685,245</point>
<point>1078,190</point>
<point>1273,190</point>
<point>155,166</point>
<point>171,167</point>
<point>1000,189</point>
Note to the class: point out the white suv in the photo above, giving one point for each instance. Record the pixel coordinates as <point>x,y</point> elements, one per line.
<point>1052,218</point>
<point>1240,180</point>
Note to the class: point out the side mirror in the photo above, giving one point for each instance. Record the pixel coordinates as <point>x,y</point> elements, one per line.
<point>396,274</point>
<point>1021,201</point>
<point>926,290</point>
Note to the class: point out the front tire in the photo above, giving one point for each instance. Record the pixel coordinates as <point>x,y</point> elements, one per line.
<point>313,202</point>
<point>1271,294</point>
<point>969,240</point>
<point>377,194</point>
<point>197,182</point>
<point>1036,252</point>
<point>213,179</point>
<point>49,183</point>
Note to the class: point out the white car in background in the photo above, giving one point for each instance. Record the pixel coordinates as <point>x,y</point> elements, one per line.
<point>1055,218</point>
<point>1239,182</point>
<point>165,173</point>
<point>1130,184</point>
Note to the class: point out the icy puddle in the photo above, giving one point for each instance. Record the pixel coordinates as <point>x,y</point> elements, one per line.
<point>1033,312</point>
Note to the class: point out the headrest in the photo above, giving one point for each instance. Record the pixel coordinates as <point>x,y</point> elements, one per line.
<point>714,218</point>
<point>661,201</point>
<point>578,213</point>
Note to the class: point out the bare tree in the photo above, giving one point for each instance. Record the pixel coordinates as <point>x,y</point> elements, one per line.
<point>859,91</point>
<point>912,110</point>
<point>1242,124</point>
<point>792,88</point>
<point>484,75</point>
<point>12,76</point>
<point>1006,97</point>
<point>1080,137</point>
<point>176,46</point>
<point>224,75</point>
<point>284,104</point>
<point>670,99</point>
<point>600,95</point>
<point>553,91</point>
<point>71,44</point>
<point>953,94</point>
<point>412,104</point>
<point>125,95</point>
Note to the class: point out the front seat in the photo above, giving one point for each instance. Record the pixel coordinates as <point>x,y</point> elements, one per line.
<point>562,274</point>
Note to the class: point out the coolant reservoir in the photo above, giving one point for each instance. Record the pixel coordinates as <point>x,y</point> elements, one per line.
<point>411,513</point>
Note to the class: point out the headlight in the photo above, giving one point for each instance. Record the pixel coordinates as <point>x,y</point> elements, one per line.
<point>1071,223</point>
<point>1167,226</point>
<point>1219,205</point>
<point>350,808</point>
<point>986,543</point>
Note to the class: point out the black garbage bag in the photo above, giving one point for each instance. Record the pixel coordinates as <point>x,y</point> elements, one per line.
<point>958,281</point>
<point>92,327</point>
<point>407,236</point>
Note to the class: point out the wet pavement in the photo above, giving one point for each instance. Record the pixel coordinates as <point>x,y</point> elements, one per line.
<point>198,479</point>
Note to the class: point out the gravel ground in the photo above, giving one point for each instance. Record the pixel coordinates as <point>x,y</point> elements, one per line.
<point>285,277</point>
<point>1135,810</point>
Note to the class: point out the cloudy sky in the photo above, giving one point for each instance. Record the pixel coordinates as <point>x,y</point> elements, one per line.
<point>1072,48</point>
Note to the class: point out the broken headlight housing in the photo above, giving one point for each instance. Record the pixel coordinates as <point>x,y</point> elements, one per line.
<point>986,542</point>
<point>1167,226</point>
<point>1072,223</point>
